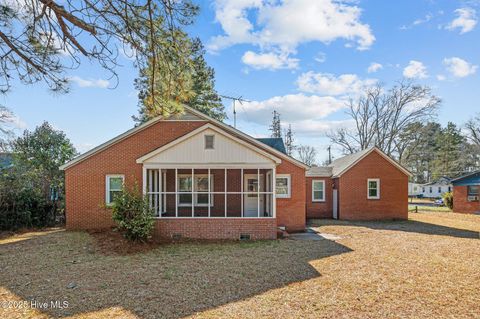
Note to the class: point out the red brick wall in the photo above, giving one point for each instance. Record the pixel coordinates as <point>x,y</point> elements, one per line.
<point>393,202</point>
<point>460,202</point>
<point>85,182</point>
<point>319,209</point>
<point>291,211</point>
<point>218,228</point>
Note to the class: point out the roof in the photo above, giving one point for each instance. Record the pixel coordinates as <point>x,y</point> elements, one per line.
<point>6,160</point>
<point>441,181</point>
<point>343,164</point>
<point>320,171</point>
<point>205,117</point>
<point>468,179</point>
<point>201,129</point>
<point>275,142</point>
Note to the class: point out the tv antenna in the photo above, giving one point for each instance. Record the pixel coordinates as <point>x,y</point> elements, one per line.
<point>240,100</point>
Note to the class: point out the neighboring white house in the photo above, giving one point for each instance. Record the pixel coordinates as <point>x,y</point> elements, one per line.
<point>414,189</point>
<point>437,188</point>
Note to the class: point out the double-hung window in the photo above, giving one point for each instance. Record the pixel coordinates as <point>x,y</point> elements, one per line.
<point>283,185</point>
<point>114,185</point>
<point>200,190</point>
<point>318,191</point>
<point>373,188</point>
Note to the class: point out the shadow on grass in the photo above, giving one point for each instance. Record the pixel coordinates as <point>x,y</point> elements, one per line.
<point>411,226</point>
<point>172,281</point>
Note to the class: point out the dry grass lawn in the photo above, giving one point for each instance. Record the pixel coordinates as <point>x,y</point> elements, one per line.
<point>427,267</point>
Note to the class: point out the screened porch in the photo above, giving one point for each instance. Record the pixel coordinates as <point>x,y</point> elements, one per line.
<point>210,192</point>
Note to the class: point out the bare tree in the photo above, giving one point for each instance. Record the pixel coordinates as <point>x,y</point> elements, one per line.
<point>41,39</point>
<point>276,126</point>
<point>307,154</point>
<point>289,140</point>
<point>381,116</point>
<point>473,128</point>
<point>6,119</point>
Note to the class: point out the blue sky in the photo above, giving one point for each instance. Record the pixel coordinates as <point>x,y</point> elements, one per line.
<point>301,57</point>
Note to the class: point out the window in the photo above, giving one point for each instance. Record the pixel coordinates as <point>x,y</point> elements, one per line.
<point>423,189</point>
<point>200,186</point>
<point>209,142</point>
<point>283,186</point>
<point>373,185</point>
<point>439,189</point>
<point>473,193</point>
<point>449,188</point>
<point>318,191</point>
<point>114,184</point>
<point>431,189</point>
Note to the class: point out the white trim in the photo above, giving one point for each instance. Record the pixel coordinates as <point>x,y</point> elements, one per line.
<point>201,129</point>
<point>107,186</point>
<point>212,166</point>
<point>385,156</point>
<point>289,185</point>
<point>377,180</point>
<point>313,190</point>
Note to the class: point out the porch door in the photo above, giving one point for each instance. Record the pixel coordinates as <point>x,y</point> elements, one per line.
<point>250,203</point>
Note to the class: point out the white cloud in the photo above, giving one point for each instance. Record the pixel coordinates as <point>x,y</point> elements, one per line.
<point>321,57</point>
<point>271,61</point>
<point>90,83</point>
<point>293,108</point>
<point>466,20</point>
<point>441,77</point>
<point>415,70</point>
<point>374,67</point>
<point>283,25</point>
<point>329,84</point>
<point>317,128</point>
<point>459,68</point>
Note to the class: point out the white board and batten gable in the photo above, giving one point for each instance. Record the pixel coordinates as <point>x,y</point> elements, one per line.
<point>228,151</point>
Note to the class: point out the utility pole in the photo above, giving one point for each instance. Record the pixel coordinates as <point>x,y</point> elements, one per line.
<point>329,154</point>
<point>234,99</point>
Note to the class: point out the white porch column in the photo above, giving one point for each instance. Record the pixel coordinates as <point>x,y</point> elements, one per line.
<point>176,192</point>
<point>274,190</point>
<point>209,192</point>
<point>225,190</point>
<point>241,190</point>
<point>258,192</point>
<point>144,180</point>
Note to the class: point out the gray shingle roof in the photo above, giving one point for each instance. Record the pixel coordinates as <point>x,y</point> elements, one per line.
<point>340,164</point>
<point>320,171</point>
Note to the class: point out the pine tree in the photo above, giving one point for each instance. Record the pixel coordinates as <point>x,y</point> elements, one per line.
<point>289,140</point>
<point>184,79</point>
<point>276,126</point>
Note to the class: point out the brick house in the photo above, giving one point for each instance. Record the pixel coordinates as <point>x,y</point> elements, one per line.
<point>466,193</point>
<point>205,179</point>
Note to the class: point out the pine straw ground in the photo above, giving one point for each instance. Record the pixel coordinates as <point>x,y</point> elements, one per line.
<point>427,267</point>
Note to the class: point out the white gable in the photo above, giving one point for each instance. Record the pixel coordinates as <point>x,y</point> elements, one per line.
<point>191,150</point>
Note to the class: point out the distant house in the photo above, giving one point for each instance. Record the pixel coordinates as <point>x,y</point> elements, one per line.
<point>466,193</point>
<point>437,188</point>
<point>414,189</point>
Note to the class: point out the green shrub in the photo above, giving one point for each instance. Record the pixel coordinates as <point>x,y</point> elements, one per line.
<point>448,199</point>
<point>132,214</point>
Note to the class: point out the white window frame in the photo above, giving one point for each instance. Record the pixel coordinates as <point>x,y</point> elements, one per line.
<point>313,190</point>
<point>289,185</point>
<point>205,142</point>
<point>377,180</point>
<point>194,192</point>
<point>107,186</point>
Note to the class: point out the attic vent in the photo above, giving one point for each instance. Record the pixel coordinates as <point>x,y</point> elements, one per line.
<point>244,236</point>
<point>209,141</point>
